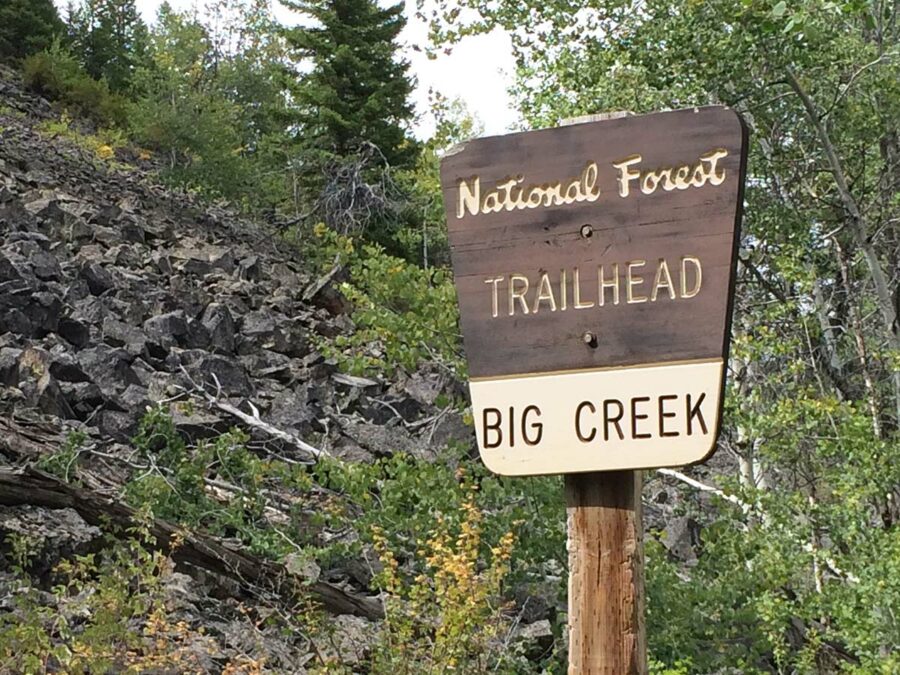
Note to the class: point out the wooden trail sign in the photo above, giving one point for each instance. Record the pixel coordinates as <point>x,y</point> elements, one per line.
<point>594,265</point>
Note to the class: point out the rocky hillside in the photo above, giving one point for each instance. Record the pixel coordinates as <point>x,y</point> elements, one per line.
<point>117,295</point>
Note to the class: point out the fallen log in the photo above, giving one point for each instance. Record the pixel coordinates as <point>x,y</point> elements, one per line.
<point>250,576</point>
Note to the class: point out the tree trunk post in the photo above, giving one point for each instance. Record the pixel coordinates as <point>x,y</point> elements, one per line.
<point>606,574</point>
<point>607,635</point>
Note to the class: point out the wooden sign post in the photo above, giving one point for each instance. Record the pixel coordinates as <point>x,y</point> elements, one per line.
<point>606,573</point>
<point>604,538</point>
<point>594,265</point>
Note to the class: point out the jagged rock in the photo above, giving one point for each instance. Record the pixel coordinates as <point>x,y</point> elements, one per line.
<point>424,388</point>
<point>197,336</point>
<point>9,366</point>
<point>43,312</point>
<point>134,398</point>
<point>42,240</point>
<point>98,278</point>
<point>84,398</point>
<point>681,537</point>
<point>43,264</point>
<point>123,255</point>
<point>259,328</point>
<point>117,425</point>
<point>167,329</point>
<point>38,384</point>
<point>108,367</point>
<point>219,325</point>
<point>52,534</point>
<point>14,215</point>
<point>65,368</point>
<point>26,307</point>
<point>47,211</point>
<point>107,215</point>
<point>195,425</point>
<point>74,331</point>
<point>214,370</point>
<point>293,409</point>
<point>200,260</point>
<point>120,334</point>
<point>249,268</point>
<point>111,285</point>
<point>332,300</point>
<point>162,262</point>
<point>351,640</point>
<point>269,364</point>
<point>79,230</point>
<point>449,428</point>
<point>46,396</point>
<point>13,267</point>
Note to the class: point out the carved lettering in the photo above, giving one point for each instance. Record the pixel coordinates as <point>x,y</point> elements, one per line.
<point>509,195</point>
<point>512,194</point>
<point>522,294</point>
<point>683,177</point>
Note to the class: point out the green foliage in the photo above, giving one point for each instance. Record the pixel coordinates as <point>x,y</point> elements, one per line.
<point>64,462</point>
<point>182,483</point>
<point>801,580</point>
<point>103,144</point>
<point>357,91</point>
<point>56,74</point>
<point>404,314</point>
<point>349,121</point>
<point>450,617</point>
<point>448,530</point>
<point>110,615</point>
<point>424,239</point>
<point>27,27</point>
<point>445,532</point>
<point>109,39</point>
<point>215,112</point>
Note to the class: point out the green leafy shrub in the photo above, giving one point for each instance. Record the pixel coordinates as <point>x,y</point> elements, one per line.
<point>449,617</point>
<point>64,462</point>
<point>102,145</point>
<point>218,486</point>
<point>404,314</point>
<point>98,601</point>
<point>56,74</point>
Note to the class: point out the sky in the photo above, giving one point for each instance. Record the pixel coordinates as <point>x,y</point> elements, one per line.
<point>478,70</point>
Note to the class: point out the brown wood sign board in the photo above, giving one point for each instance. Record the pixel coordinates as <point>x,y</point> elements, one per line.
<point>594,265</point>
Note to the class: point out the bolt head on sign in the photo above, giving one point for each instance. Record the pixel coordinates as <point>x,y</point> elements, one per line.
<point>594,265</point>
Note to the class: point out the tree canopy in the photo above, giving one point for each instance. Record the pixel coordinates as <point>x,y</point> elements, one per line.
<point>27,27</point>
<point>110,39</point>
<point>357,90</point>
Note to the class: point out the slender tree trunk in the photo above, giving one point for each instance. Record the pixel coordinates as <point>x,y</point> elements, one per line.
<point>859,338</point>
<point>856,224</point>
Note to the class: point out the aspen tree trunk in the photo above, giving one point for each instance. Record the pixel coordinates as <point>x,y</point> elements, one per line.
<point>857,225</point>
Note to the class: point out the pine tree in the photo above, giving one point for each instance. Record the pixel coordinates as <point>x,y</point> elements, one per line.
<point>27,26</point>
<point>110,39</point>
<point>357,92</point>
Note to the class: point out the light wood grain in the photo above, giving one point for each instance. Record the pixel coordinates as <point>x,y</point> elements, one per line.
<point>606,574</point>
<point>604,523</point>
